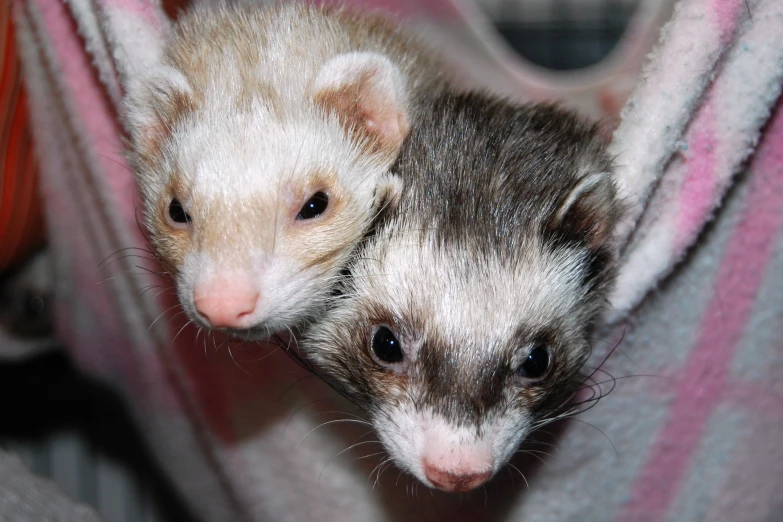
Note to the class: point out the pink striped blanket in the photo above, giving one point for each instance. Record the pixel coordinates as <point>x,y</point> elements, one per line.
<point>692,428</point>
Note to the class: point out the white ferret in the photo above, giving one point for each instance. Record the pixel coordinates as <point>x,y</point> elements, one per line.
<point>262,144</point>
<point>466,315</point>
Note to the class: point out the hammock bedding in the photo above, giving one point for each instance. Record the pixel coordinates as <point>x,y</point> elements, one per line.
<point>697,316</point>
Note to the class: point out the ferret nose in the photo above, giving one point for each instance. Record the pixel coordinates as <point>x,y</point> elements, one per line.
<point>455,481</point>
<point>224,305</point>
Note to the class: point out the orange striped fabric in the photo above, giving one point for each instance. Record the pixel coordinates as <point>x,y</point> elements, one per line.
<point>21,219</point>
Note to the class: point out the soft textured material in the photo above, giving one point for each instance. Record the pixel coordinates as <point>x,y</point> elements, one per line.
<point>692,434</point>
<point>21,226</point>
<point>24,497</point>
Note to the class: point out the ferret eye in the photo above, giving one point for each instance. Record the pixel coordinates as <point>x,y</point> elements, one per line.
<point>385,346</point>
<point>177,214</point>
<point>314,207</point>
<point>536,365</point>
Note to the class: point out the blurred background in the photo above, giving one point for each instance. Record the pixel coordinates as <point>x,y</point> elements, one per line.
<point>560,34</point>
<point>76,431</point>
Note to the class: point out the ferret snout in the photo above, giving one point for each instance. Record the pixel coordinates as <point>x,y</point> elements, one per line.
<point>455,481</point>
<point>452,460</point>
<point>456,470</point>
<point>226,303</point>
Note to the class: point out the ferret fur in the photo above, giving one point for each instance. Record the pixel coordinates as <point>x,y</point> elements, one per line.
<point>252,110</point>
<point>499,241</point>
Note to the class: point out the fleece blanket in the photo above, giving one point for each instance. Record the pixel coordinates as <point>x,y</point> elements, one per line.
<point>689,370</point>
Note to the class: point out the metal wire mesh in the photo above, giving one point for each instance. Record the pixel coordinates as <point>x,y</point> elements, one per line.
<point>561,34</point>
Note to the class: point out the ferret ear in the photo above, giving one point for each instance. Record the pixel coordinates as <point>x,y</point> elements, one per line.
<point>590,211</point>
<point>153,103</point>
<point>366,91</point>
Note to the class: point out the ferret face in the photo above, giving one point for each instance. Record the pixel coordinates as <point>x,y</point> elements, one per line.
<point>255,215</point>
<point>467,315</point>
<point>257,183</point>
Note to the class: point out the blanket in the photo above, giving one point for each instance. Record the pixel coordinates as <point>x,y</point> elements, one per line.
<point>689,370</point>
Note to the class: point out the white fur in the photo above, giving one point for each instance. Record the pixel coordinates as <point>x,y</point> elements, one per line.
<point>221,153</point>
<point>412,437</point>
<point>462,296</point>
<point>347,68</point>
<point>146,92</point>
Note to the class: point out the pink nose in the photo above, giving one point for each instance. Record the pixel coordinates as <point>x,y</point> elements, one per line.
<point>463,480</point>
<point>225,305</point>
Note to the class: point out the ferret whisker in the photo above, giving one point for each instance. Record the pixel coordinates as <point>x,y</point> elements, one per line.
<point>360,437</point>
<point>613,343</point>
<point>528,452</point>
<point>236,363</point>
<point>388,465</point>
<point>167,310</point>
<point>597,387</point>
<point>300,408</point>
<point>589,400</point>
<point>108,262</point>
<point>128,271</point>
<point>328,423</point>
<point>113,160</point>
<point>150,271</point>
<point>372,454</point>
<point>606,358</point>
<point>113,257</point>
<point>336,456</point>
<point>595,370</point>
<point>372,471</point>
<point>377,467</point>
<point>604,393</point>
<point>633,376</point>
<point>188,323</point>
<point>267,355</point>
<point>356,445</point>
<point>574,409</point>
<point>166,289</point>
<point>579,408</point>
<point>144,289</point>
<point>511,476</point>
<point>168,322</point>
<point>520,474</point>
<point>543,443</point>
<point>331,412</point>
<point>572,418</point>
<point>397,482</point>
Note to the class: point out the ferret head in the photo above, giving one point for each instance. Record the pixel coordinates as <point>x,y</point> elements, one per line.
<point>254,197</point>
<point>468,312</point>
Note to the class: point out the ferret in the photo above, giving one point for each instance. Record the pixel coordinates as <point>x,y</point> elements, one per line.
<point>262,144</point>
<point>466,315</point>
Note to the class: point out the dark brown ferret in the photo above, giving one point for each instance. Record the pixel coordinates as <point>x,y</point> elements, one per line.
<point>468,311</point>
